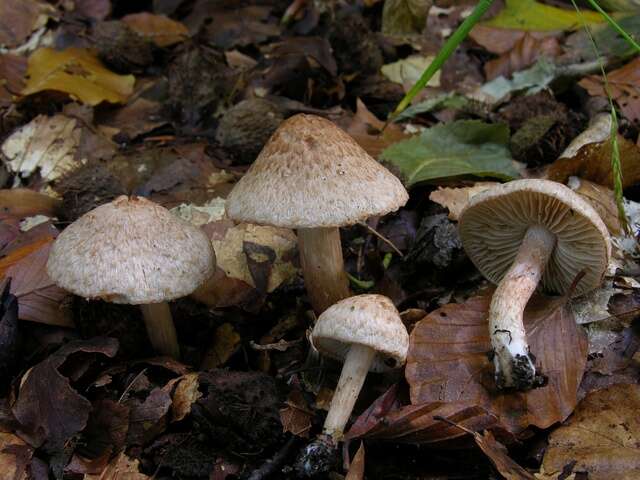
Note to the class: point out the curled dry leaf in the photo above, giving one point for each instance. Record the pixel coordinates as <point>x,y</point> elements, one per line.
<point>120,468</point>
<point>15,456</point>
<point>148,419</point>
<point>185,395</point>
<point>296,416</point>
<point>49,409</point>
<point>588,156</point>
<point>47,144</point>
<point>602,438</point>
<point>161,30</point>
<point>19,18</point>
<point>497,453</point>
<point>455,199</point>
<point>21,203</point>
<point>524,54</point>
<point>356,469</point>
<point>624,87</point>
<point>78,73</point>
<point>448,362</point>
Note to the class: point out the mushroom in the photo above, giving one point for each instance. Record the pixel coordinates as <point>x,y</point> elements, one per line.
<point>133,251</point>
<point>367,334</point>
<point>313,177</point>
<point>521,234</point>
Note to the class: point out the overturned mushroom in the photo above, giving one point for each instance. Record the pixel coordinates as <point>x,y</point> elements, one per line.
<point>133,251</point>
<point>313,177</point>
<point>521,234</point>
<point>367,334</point>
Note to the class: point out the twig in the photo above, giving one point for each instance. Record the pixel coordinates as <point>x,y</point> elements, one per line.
<point>273,463</point>
<point>131,384</point>
<point>373,231</point>
<point>281,345</point>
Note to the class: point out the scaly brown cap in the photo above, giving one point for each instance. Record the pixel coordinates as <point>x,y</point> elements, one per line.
<point>131,251</point>
<point>369,320</point>
<point>312,174</point>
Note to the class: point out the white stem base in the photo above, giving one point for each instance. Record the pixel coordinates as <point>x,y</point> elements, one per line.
<point>160,328</point>
<point>354,372</point>
<point>514,364</point>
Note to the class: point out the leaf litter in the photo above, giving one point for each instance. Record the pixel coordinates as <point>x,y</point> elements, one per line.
<point>174,101</point>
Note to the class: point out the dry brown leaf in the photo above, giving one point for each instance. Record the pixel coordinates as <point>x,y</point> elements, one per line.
<point>602,199</point>
<point>47,144</point>
<point>497,453</point>
<point>161,30</point>
<point>22,202</point>
<point>12,71</point>
<point>365,128</point>
<point>15,455</point>
<point>455,199</point>
<point>624,86</point>
<point>94,9</point>
<point>39,298</point>
<point>588,156</point>
<point>78,73</point>
<point>19,18</point>
<point>185,395</point>
<point>120,468</point>
<point>136,118</point>
<point>601,439</point>
<point>502,40</point>
<point>356,469</point>
<point>448,362</point>
<point>296,417</point>
<point>225,343</point>
<point>523,54</point>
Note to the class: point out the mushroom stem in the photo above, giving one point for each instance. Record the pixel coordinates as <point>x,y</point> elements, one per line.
<point>514,364</point>
<point>160,328</point>
<point>354,372</point>
<point>323,266</point>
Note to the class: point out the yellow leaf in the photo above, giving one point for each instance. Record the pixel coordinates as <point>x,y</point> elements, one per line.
<point>77,72</point>
<point>531,15</point>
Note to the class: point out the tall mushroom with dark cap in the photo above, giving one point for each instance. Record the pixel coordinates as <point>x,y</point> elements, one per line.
<point>521,234</point>
<point>313,177</point>
<point>366,333</point>
<point>136,252</point>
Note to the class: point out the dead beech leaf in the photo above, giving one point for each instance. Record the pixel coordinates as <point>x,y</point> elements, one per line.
<point>497,453</point>
<point>19,18</point>
<point>523,54</point>
<point>49,409</point>
<point>136,118</point>
<point>624,86</point>
<point>39,298</point>
<point>296,416</point>
<point>455,199</point>
<point>356,469</point>
<point>502,40</point>
<point>22,202</point>
<point>448,362</point>
<point>12,71</point>
<point>78,73</point>
<point>15,456</point>
<point>588,156</point>
<point>225,343</point>
<point>185,395</point>
<point>366,129</point>
<point>120,468</point>
<point>602,199</point>
<point>148,418</point>
<point>47,144</point>
<point>161,30</point>
<point>601,439</point>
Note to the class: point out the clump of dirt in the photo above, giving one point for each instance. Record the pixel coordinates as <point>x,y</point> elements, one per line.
<point>246,127</point>
<point>87,188</point>
<point>121,48</point>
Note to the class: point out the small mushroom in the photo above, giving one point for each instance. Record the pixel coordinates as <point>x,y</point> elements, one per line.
<point>521,234</point>
<point>367,334</point>
<point>133,251</point>
<point>313,177</point>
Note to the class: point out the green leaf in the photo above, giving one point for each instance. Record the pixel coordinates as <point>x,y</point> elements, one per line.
<point>465,147</point>
<point>610,43</point>
<point>445,100</point>
<point>531,15</point>
<point>531,80</point>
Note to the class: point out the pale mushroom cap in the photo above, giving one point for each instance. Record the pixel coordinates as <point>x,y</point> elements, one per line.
<point>131,251</point>
<point>494,223</point>
<point>370,320</point>
<point>312,174</point>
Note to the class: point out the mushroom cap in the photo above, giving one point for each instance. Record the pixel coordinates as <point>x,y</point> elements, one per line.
<point>495,221</point>
<point>369,320</point>
<point>131,251</point>
<point>312,174</point>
